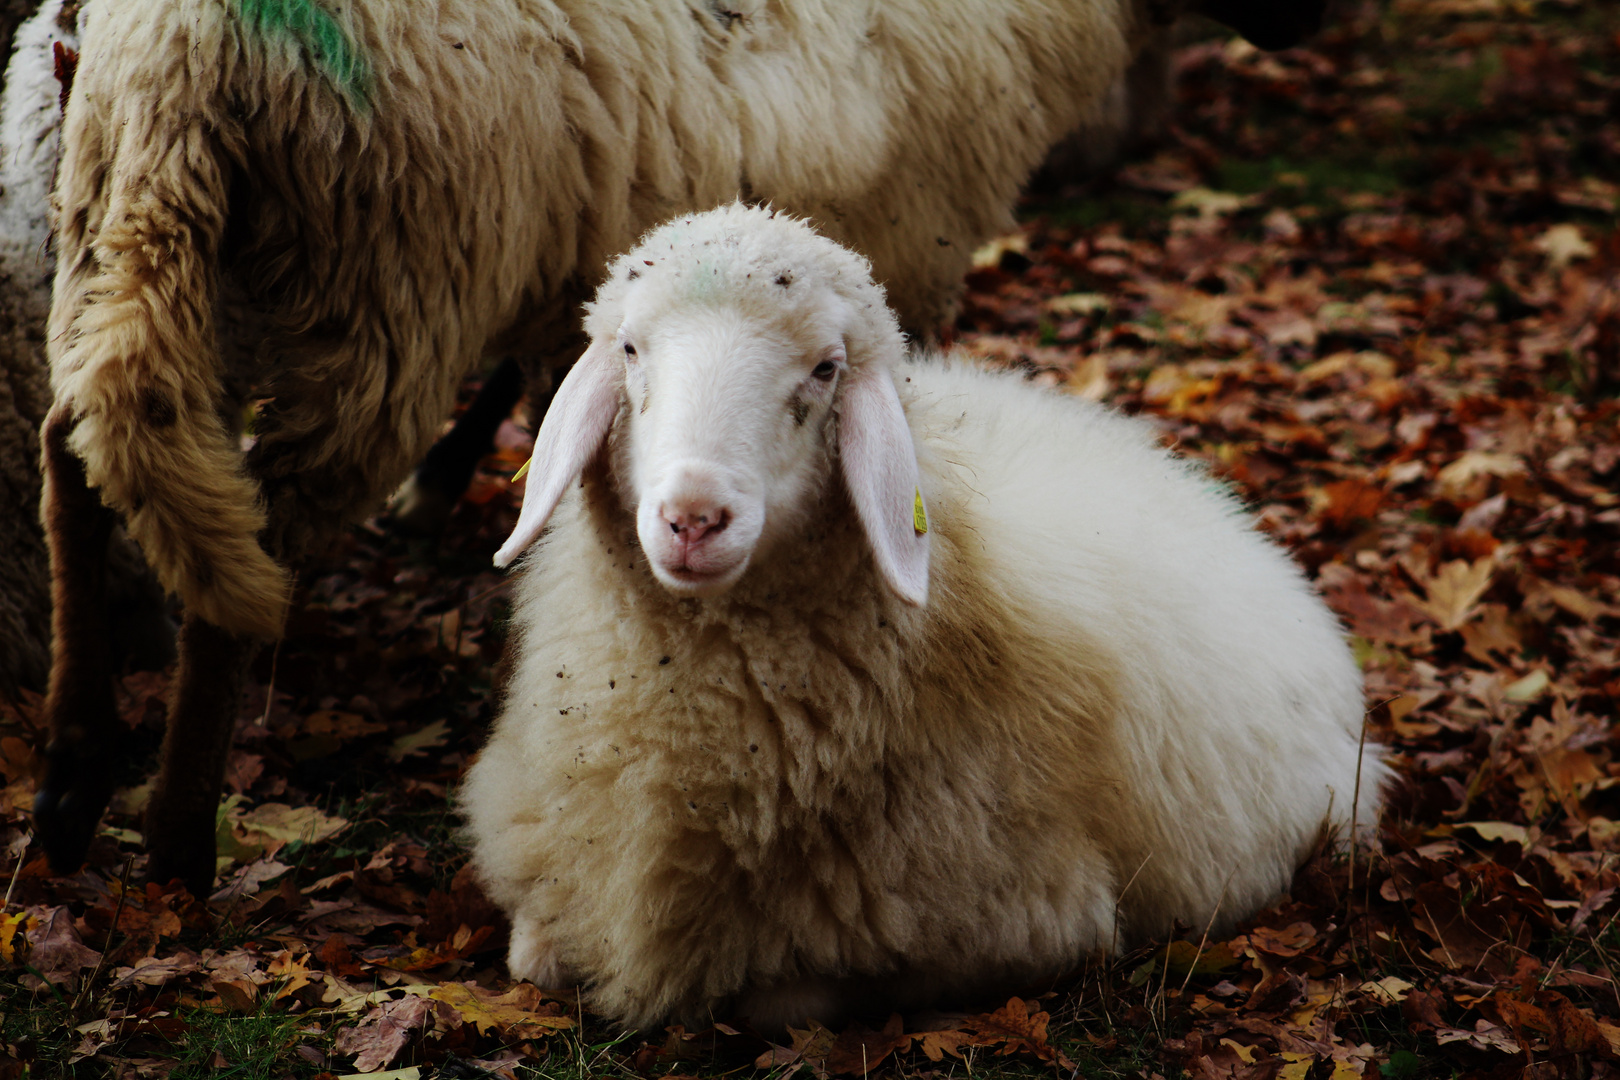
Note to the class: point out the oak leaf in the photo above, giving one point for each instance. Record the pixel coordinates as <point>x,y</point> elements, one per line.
<point>1455,590</point>
<point>1563,244</point>
<point>1501,831</point>
<point>54,947</point>
<point>512,1013</point>
<point>294,969</point>
<point>232,995</point>
<point>1287,941</point>
<point>936,1044</point>
<point>858,1050</point>
<point>1492,636</point>
<point>419,742</point>
<point>383,1032</point>
<point>1472,470</point>
<point>1574,1031</point>
<point>1089,380</point>
<point>277,821</point>
<point>1016,1030</point>
<point>1389,990</point>
<point>810,1048</point>
<point>156,970</point>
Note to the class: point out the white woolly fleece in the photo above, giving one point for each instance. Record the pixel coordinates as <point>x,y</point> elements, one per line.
<point>804,795</point>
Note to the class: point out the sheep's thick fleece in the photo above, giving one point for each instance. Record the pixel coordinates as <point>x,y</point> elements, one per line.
<point>29,112</point>
<point>1119,706</point>
<point>392,186</point>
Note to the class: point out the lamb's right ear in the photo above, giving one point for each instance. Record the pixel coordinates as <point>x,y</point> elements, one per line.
<point>570,436</point>
<point>880,471</point>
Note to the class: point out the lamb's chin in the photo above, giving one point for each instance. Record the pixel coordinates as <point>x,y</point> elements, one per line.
<point>685,581</point>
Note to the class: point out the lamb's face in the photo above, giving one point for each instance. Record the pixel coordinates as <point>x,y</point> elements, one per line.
<point>724,443</point>
<point>720,350</point>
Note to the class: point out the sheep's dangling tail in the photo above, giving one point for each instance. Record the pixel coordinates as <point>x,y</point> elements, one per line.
<point>136,363</point>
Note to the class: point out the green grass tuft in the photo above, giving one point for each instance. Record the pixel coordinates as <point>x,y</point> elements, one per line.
<point>256,1047</point>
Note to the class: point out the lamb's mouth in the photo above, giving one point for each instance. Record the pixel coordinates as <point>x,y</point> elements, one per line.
<point>704,581</point>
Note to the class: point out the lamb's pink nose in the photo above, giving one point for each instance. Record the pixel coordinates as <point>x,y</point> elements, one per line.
<point>693,520</point>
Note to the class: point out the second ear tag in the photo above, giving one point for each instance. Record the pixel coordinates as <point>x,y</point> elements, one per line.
<point>919,516</point>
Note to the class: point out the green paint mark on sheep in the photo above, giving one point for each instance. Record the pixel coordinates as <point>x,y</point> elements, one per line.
<point>318,35</point>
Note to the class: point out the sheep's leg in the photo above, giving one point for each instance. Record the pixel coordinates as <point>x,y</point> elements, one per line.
<point>85,734</point>
<point>430,495</point>
<point>447,469</point>
<point>202,720</point>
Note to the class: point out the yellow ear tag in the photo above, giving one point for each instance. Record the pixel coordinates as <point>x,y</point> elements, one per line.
<point>523,470</point>
<point>919,516</point>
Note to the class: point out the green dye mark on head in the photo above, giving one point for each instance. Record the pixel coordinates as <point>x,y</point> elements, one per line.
<point>704,281</point>
<point>318,35</point>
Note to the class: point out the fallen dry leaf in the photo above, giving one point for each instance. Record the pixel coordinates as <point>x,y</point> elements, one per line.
<point>1455,590</point>
<point>1563,244</point>
<point>384,1031</point>
<point>513,1014</point>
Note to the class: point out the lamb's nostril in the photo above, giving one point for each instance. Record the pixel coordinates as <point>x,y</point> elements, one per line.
<point>692,523</point>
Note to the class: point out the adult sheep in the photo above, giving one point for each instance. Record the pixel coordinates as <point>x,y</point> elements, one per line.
<point>842,682</point>
<point>334,210</point>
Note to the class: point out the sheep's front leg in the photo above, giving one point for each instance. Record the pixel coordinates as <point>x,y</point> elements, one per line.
<point>85,735</point>
<point>202,720</point>
<point>425,503</point>
<point>423,506</point>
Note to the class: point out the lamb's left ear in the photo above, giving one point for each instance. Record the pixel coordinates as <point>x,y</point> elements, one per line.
<point>880,470</point>
<point>578,420</point>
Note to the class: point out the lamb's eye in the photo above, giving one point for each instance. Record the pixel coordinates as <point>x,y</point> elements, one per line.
<point>629,351</point>
<point>825,370</point>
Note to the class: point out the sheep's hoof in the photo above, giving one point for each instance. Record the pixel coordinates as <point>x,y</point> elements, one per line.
<point>183,853</point>
<point>69,804</point>
<point>421,509</point>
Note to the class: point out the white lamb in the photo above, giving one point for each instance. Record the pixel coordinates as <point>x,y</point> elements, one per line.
<point>847,682</point>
